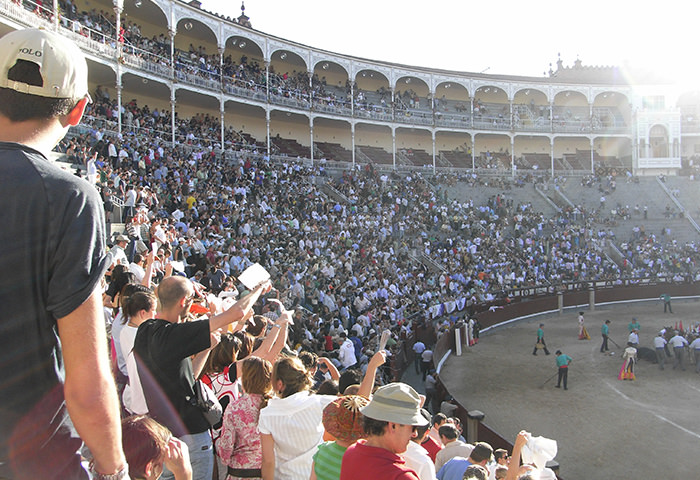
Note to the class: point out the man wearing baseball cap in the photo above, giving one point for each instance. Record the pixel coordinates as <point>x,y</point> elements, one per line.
<point>388,422</point>
<point>53,353</point>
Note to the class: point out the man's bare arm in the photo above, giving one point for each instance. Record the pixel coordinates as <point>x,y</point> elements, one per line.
<point>239,310</point>
<point>335,374</point>
<point>200,360</point>
<point>377,360</point>
<point>91,396</point>
<point>148,275</point>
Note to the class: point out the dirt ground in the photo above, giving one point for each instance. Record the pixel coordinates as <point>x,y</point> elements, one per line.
<point>605,428</point>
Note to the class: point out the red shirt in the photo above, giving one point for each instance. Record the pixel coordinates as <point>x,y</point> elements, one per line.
<point>432,447</point>
<point>361,461</point>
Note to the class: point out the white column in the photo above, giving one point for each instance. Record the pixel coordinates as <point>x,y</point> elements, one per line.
<point>221,68</point>
<point>221,106</point>
<point>311,91</point>
<point>172,33</point>
<point>172,112</point>
<point>55,16</point>
<point>352,134</point>
<point>434,165</point>
<point>512,156</point>
<point>471,121</point>
<point>311,136</point>
<point>118,7</point>
<point>267,125</point>
<point>552,152</point>
<point>352,110</point>
<point>119,103</point>
<point>393,140</point>
<point>551,117</point>
<point>473,151</point>
<point>510,104</point>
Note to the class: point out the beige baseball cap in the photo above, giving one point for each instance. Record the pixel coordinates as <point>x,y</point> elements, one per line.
<point>61,64</point>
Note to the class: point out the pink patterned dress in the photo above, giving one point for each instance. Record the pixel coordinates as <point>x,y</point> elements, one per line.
<point>239,444</point>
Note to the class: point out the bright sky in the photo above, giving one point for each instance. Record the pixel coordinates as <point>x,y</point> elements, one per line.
<point>499,37</point>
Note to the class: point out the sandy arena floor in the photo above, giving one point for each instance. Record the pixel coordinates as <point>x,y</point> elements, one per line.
<point>605,428</point>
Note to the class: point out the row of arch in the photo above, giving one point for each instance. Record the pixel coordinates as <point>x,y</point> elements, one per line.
<point>440,92</point>
<point>391,144</point>
<point>187,26</point>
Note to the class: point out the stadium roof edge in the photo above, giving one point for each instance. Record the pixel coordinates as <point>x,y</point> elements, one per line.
<point>553,79</point>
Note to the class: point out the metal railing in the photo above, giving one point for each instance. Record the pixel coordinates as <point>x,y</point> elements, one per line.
<point>679,205</point>
<point>488,116</point>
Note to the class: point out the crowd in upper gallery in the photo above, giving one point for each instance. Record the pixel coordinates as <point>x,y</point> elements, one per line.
<point>300,89</point>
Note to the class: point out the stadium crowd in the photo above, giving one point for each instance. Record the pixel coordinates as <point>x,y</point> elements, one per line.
<point>360,277</point>
<point>348,267</point>
<point>540,249</point>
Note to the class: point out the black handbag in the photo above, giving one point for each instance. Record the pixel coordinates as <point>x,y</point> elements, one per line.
<point>206,401</point>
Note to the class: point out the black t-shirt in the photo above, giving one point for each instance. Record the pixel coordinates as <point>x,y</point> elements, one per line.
<point>163,352</point>
<point>52,258</point>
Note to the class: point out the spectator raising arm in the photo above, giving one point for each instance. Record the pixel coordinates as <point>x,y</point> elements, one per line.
<point>335,374</point>
<point>200,359</point>
<point>276,338</point>
<point>514,466</point>
<point>239,311</point>
<point>148,276</point>
<point>367,384</point>
<point>274,341</point>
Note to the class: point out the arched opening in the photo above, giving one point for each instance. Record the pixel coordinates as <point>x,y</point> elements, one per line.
<point>452,105</point>
<point>413,102</point>
<point>491,108</point>
<point>243,68</point>
<point>658,141</point>
<point>531,111</point>
<point>289,80</point>
<point>331,88</point>
<point>372,95</point>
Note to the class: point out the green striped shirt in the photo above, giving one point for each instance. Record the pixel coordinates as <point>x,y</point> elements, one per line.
<point>327,461</point>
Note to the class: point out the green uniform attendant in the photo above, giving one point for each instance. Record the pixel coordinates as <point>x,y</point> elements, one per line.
<point>563,362</point>
<point>540,344</point>
<point>634,325</point>
<point>605,330</point>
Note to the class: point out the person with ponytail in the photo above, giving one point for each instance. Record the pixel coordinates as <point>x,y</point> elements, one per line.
<point>223,373</point>
<point>291,425</point>
<point>239,445</point>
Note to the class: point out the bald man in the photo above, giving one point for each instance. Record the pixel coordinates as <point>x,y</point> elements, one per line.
<point>165,347</point>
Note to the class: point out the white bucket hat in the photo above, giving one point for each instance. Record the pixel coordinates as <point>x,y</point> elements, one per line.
<point>396,403</point>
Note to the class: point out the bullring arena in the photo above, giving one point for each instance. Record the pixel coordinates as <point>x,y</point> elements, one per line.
<point>605,427</point>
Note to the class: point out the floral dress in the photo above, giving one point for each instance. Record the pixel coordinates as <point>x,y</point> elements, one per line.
<point>239,444</point>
